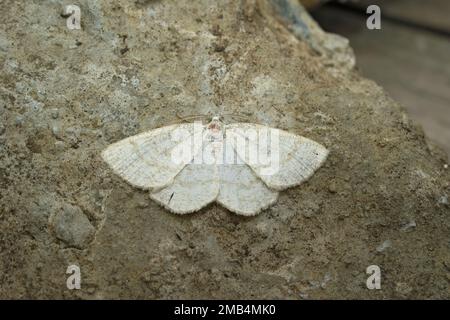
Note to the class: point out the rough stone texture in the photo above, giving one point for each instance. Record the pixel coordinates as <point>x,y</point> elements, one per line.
<point>65,95</point>
<point>72,226</point>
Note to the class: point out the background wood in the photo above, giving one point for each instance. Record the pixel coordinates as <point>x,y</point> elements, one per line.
<point>410,63</point>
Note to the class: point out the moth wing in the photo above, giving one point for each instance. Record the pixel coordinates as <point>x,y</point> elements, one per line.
<point>146,160</point>
<point>193,188</point>
<point>240,190</point>
<point>282,159</point>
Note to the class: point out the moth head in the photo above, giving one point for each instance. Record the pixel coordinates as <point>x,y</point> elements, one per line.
<point>215,124</point>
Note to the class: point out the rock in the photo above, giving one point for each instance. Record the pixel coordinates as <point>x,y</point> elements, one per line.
<point>408,226</point>
<point>143,204</point>
<point>325,280</point>
<point>56,130</point>
<point>311,207</point>
<point>334,47</point>
<point>72,136</point>
<point>237,59</point>
<point>72,227</point>
<point>403,289</point>
<point>113,131</point>
<point>385,245</point>
<point>264,228</point>
<point>60,145</point>
<point>55,113</point>
<point>146,277</point>
<point>19,121</point>
<point>443,200</point>
<point>91,290</point>
<point>303,295</point>
<point>332,188</point>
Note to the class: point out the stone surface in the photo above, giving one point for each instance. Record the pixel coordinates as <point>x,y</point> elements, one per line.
<point>73,227</point>
<point>134,66</point>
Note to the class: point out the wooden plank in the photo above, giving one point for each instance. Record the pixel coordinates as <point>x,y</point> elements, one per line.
<point>430,13</point>
<point>412,66</point>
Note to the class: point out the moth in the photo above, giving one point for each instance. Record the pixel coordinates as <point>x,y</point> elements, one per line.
<point>242,166</point>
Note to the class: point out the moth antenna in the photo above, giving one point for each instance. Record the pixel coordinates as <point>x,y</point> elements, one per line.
<point>242,117</point>
<point>190,117</point>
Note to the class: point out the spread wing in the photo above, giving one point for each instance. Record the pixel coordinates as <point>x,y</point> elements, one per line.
<point>282,159</point>
<point>240,190</point>
<point>147,161</point>
<point>194,187</point>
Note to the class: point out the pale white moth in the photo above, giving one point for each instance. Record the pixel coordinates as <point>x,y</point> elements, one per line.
<point>242,166</point>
